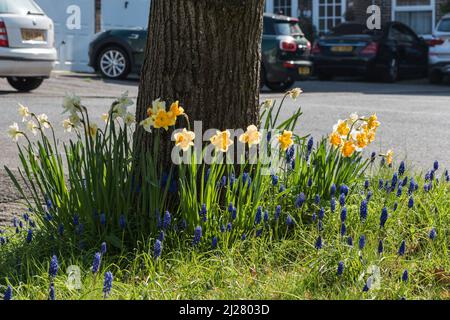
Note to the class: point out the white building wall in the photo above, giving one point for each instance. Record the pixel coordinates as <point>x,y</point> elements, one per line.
<point>125,14</point>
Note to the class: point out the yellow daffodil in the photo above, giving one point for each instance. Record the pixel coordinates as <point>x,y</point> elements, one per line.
<point>342,128</point>
<point>43,120</point>
<point>251,137</point>
<point>373,122</point>
<point>371,136</point>
<point>176,109</point>
<point>24,112</point>
<point>222,140</point>
<point>295,93</point>
<point>184,139</point>
<point>164,119</point>
<point>32,127</point>
<point>147,124</point>
<point>348,149</point>
<point>361,140</point>
<point>14,131</point>
<point>157,105</point>
<point>389,157</point>
<point>335,139</point>
<point>285,140</point>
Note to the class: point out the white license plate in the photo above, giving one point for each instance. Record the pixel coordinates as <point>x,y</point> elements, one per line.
<point>33,35</point>
<point>304,71</point>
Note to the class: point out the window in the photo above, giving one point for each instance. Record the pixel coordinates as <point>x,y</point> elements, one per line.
<point>268,27</point>
<point>22,7</point>
<point>283,7</point>
<point>329,13</point>
<point>419,15</point>
<point>288,29</point>
<point>444,26</point>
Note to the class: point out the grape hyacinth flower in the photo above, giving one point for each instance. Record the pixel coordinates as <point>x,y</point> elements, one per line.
<point>234,214</point>
<point>366,287</point>
<point>433,234</point>
<point>395,206</point>
<point>366,184</point>
<point>412,186</point>
<point>314,217</point>
<point>61,230</point>
<point>401,250</point>
<point>167,220</point>
<point>76,220</point>
<point>320,225</point>
<point>161,236</point>
<point>380,247</point>
<point>436,165</point>
<point>243,237</point>
<point>277,212</point>
<point>344,189</point>
<point>107,284</point>
<point>214,243</point>
<point>289,221</point>
<point>96,263</point>
<point>380,184</point>
<point>321,213</point>
<point>411,202</point>
<point>333,204</point>
<point>258,216</point>
<point>197,236</point>
<point>362,242</point>
<point>373,156</point>
<point>103,248</point>
<point>343,214</point>
<point>405,182</point>
<point>103,219</point>
<point>29,236</point>
<point>333,190</point>
<point>319,243</point>
<point>122,222</point>
<point>157,249</point>
<point>266,216</point>
<point>274,179</point>
<point>350,241</point>
<point>399,191</point>
<point>222,228</point>
<point>405,276</point>
<point>8,294</point>
<point>394,181</point>
<point>229,226</point>
<point>282,188</point>
<point>342,200</point>
<point>310,182</point>
<point>259,232</point>
<point>384,217</point>
<point>309,148</point>
<point>300,200</point>
<point>340,269</point>
<point>363,210</point>
<point>401,168</point>
<point>343,229</point>
<point>317,199</point>
<point>53,269</point>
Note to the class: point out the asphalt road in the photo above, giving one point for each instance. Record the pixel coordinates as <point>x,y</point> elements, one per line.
<point>415,115</point>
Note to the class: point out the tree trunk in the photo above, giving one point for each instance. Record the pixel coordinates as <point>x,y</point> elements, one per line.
<point>206,54</point>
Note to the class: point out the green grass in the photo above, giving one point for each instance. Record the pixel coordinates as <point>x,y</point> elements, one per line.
<point>262,268</point>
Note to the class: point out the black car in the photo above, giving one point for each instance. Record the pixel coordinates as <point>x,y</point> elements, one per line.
<point>285,52</point>
<point>391,53</point>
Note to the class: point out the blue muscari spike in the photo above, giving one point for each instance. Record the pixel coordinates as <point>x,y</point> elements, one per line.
<point>384,217</point>
<point>340,269</point>
<point>333,204</point>
<point>333,190</point>
<point>363,210</point>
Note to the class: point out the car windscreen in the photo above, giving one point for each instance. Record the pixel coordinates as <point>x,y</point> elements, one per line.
<point>22,7</point>
<point>444,26</point>
<point>284,28</point>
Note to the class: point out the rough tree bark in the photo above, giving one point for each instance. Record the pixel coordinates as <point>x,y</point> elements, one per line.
<point>206,54</point>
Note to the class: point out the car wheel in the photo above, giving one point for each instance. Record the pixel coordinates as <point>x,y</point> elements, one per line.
<point>436,77</point>
<point>114,63</point>
<point>392,72</point>
<point>280,86</point>
<point>324,76</point>
<point>24,84</point>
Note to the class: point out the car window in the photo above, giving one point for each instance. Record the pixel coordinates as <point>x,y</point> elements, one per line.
<point>268,27</point>
<point>444,26</point>
<point>395,34</point>
<point>402,34</point>
<point>22,7</point>
<point>287,28</point>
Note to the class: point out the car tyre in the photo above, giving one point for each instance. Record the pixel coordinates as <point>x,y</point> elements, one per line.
<point>114,63</point>
<point>25,84</point>
<point>392,72</point>
<point>436,77</point>
<point>325,76</point>
<point>280,86</point>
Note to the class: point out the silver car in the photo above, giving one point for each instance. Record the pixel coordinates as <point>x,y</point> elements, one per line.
<point>439,54</point>
<point>27,52</point>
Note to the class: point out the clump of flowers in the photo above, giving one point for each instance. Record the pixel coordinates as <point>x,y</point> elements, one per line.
<point>158,116</point>
<point>354,134</point>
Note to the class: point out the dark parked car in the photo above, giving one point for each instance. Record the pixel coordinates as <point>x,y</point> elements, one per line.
<point>391,53</point>
<point>285,53</point>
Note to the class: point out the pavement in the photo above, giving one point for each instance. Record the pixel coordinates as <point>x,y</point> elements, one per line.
<point>415,115</point>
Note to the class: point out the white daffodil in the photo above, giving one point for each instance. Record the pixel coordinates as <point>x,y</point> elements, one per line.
<point>43,120</point>
<point>129,119</point>
<point>67,125</point>
<point>75,120</point>
<point>267,104</point>
<point>147,124</point>
<point>93,128</point>
<point>251,137</point>
<point>32,127</point>
<point>105,117</point>
<point>71,104</point>
<point>14,132</point>
<point>24,112</point>
<point>354,117</point>
<point>295,93</point>
<point>120,108</point>
<point>184,139</point>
